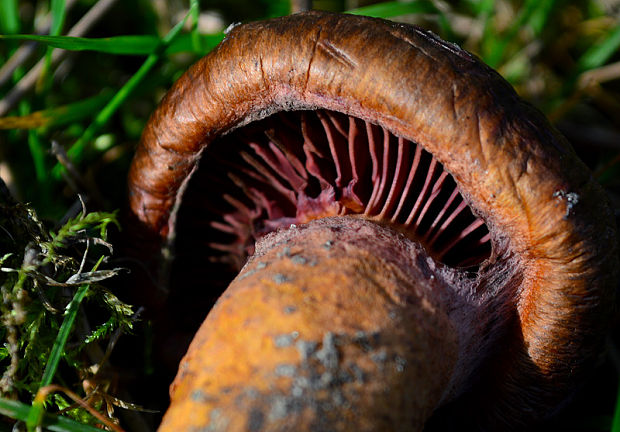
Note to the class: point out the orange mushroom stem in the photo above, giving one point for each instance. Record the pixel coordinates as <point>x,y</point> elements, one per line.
<point>339,324</point>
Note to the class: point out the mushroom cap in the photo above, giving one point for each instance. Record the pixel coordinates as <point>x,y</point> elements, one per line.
<point>549,282</point>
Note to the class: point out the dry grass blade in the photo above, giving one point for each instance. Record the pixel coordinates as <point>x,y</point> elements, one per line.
<point>44,392</point>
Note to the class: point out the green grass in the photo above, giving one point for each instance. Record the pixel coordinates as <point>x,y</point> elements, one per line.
<point>560,55</point>
<point>20,411</point>
<point>76,150</point>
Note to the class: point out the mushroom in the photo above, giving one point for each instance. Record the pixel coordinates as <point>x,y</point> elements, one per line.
<point>417,235</point>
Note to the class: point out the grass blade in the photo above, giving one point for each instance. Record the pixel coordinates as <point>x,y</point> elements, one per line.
<point>77,149</point>
<point>9,17</point>
<point>126,45</point>
<point>19,411</point>
<point>541,15</point>
<point>58,20</point>
<point>37,411</point>
<point>185,43</point>
<point>599,53</point>
<point>277,8</point>
<point>533,12</point>
<point>58,16</point>
<point>395,8</point>
<point>615,424</point>
<point>123,45</point>
<point>57,116</point>
<point>38,157</point>
<point>36,150</point>
<point>195,35</point>
<point>479,7</point>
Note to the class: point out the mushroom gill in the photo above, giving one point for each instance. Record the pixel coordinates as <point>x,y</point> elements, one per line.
<point>415,234</point>
<point>294,167</point>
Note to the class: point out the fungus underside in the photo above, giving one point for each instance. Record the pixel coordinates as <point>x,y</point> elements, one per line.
<point>297,166</point>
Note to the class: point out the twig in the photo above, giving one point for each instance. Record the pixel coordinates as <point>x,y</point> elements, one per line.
<point>300,5</point>
<point>600,75</point>
<point>18,58</point>
<point>45,391</point>
<point>132,416</point>
<point>72,175</point>
<point>24,52</point>
<point>83,263</point>
<point>83,203</point>
<point>74,179</point>
<point>29,80</point>
<point>47,304</point>
<point>75,209</point>
<point>588,82</point>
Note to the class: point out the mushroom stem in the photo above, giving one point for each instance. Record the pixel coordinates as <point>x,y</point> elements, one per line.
<point>349,321</point>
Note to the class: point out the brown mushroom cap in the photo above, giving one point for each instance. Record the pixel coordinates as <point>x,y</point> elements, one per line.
<point>549,280</point>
